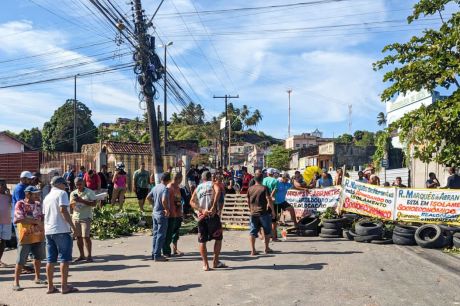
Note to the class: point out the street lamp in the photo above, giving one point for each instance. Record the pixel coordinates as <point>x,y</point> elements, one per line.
<point>165,96</point>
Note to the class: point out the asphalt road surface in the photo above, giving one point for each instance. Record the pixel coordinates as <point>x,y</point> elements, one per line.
<point>303,271</point>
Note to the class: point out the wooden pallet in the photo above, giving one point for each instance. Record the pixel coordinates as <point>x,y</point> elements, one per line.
<point>235,213</point>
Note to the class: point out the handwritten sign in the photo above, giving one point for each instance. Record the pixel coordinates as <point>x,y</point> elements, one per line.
<point>428,206</point>
<point>368,200</point>
<point>309,202</point>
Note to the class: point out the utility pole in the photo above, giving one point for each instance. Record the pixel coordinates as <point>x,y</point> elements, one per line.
<point>289,112</point>
<point>226,148</point>
<point>75,145</point>
<point>350,111</point>
<point>143,57</point>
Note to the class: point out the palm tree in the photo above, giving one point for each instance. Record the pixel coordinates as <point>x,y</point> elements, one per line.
<point>381,119</point>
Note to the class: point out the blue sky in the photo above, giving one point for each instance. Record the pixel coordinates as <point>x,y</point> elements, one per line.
<point>322,52</point>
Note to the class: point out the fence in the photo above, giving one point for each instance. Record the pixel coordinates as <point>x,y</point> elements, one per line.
<point>11,165</point>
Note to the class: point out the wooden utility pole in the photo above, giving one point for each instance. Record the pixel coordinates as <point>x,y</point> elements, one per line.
<point>226,150</point>
<point>289,91</point>
<point>143,57</point>
<point>75,145</point>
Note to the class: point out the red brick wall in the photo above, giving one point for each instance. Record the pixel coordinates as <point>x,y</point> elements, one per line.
<point>11,165</point>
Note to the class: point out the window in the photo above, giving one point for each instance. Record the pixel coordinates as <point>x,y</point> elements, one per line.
<point>304,145</point>
<point>297,145</point>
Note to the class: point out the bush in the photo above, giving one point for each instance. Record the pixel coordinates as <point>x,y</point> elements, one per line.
<point>110,223</point>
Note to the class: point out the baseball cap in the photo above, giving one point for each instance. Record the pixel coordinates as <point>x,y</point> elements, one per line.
<point>57,180</point>
<point>270,171</point>
<point>26,174</point>
<point>285,175</point>
<point>31,189</point>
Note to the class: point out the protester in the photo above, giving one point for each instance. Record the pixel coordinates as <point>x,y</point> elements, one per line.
<point>432,181</point>
<point>106,183</point>
<point>18,192</point>
<point>82,172</point>
<point>175,216</point>
<point>204,200</point>
<point>58,225</point>
<point>141,185</point>
<point>361,177</point>
<point>259,200</point>
<point>203,169</point>
<point>247,177</point>
<point>119,185</point>
<point>374,180</point>
<point>82,200</point>
<point>5,219</point>
<point>28,217</point>
<point>338,177</point>
<point>92,180</point>
<point>161,211</point>
<point>386,184</point>
<point>229,189</point>
<point>398,182</point>
<point>191,176</point>
<point>453,181</point>
<point>218,181</point>
<point>313,183</point>
<point>69,176</point>
<point>281,205</point>
<point>298,181</point>
<point>325,180</point>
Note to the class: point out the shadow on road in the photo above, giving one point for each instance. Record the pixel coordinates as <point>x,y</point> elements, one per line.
<point>110,284</point>
<point>315,266</point>
<point>132,290</point>
<point>104,267</point>
<point>321,253</point>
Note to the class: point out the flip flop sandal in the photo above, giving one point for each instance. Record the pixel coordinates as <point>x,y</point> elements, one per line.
<point>41,282</point>
<point>220,265</point>
<point>54,290</point>
<point>269,251</point>
<point>89,260</point>
<point>79,259</point>
<point>70,289</point>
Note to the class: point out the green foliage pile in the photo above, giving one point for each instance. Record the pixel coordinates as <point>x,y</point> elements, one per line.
<point>110,223</point>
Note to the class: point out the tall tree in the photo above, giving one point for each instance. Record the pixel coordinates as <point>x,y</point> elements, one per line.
<point>278,158</point>
<point>345,138</point>
<point>32,137</point>
<point>429,61</point>
<point>58,132</point>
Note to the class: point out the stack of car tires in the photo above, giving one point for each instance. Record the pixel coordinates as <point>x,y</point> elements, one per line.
<point>368,231</point>
<point>404,235</point>
<point>331,228</point>
<point>308,227</point>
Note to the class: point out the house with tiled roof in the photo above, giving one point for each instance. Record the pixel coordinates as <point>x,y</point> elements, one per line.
<point>11,144</point>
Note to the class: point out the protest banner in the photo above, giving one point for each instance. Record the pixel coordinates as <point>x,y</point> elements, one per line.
<point>368,200</point>
<point>428,206</point>
<point>308,202</point>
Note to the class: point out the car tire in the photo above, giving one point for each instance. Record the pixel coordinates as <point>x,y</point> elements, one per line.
<point>366,238</point>
<point>456,240</point>
<point>329,236</point>
<point>309,233</point>
<point>405,229</point>
<point>330,231</point>
<point>403,240</point>
<point>335,225</point>
<point>369,228</point>
<point>432,236</point>
<point>382,241</point>
<point>346,234</point>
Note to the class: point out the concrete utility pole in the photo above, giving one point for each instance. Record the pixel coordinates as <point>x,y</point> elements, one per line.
<point>143,52</point>
<point>289,112</point>
<point>226,149</point>
<point>75,145</point>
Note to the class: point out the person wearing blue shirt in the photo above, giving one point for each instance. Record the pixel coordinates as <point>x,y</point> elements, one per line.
<point>325,180</point>
<point>279,193</point>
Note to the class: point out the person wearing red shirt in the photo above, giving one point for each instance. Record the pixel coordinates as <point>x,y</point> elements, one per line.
<point>245,181</point>
<point>92,180</point>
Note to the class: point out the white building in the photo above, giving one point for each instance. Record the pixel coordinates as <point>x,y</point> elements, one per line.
<point>10,144</point>
<point>406,103</point>
<point>305,140</point>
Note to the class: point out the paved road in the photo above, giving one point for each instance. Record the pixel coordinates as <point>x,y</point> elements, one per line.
<point>306,271</point>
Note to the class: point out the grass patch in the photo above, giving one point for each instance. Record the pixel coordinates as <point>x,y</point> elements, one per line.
<point>453,251</point>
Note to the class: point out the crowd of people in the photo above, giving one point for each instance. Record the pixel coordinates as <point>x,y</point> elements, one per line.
<point>48,217</point>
